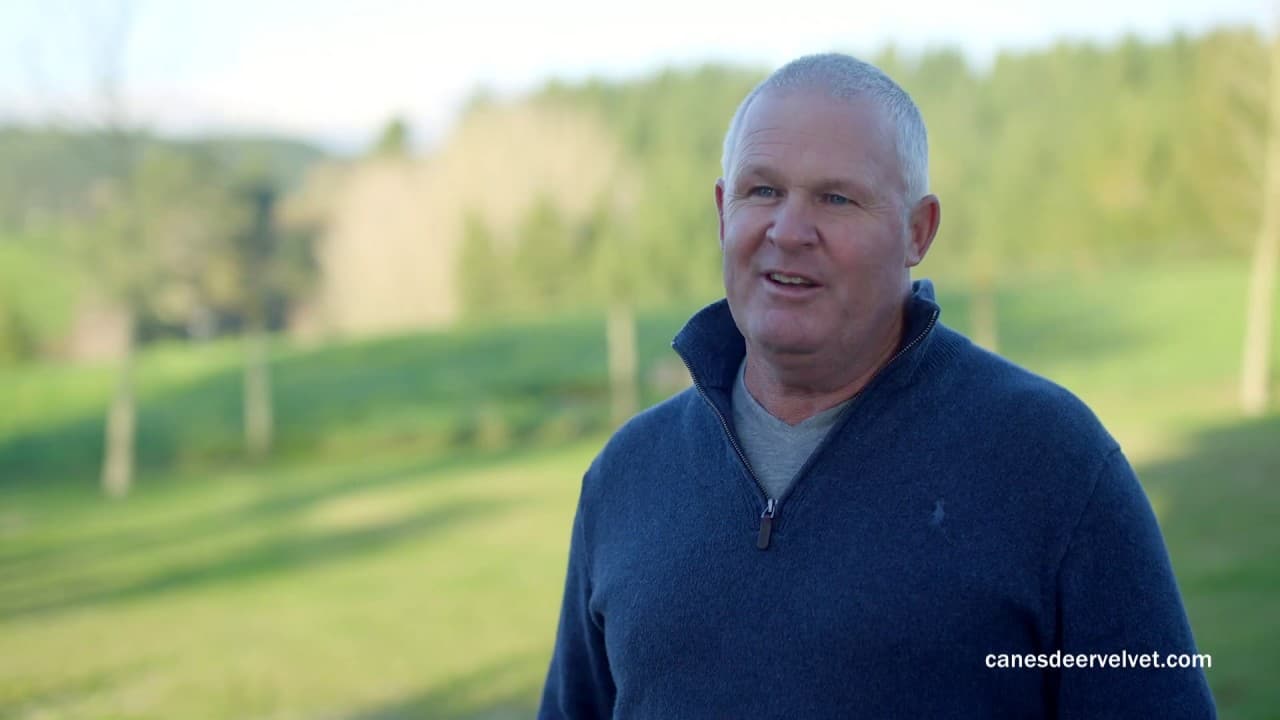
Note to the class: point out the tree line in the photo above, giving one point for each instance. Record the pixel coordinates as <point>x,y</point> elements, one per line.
<point>1076,155</point>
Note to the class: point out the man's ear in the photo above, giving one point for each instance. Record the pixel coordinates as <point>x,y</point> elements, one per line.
<point>720,209</point>
<point>925,218</point>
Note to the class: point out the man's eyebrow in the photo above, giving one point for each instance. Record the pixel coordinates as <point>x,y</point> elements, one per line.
<point>856,187</point>
<point>846,184</point>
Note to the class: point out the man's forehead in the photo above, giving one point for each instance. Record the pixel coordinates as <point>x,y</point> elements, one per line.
<point>815,110</point>
<point>815,135</point>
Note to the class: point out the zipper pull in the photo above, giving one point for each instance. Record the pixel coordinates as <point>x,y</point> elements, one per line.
<point>766,525</point>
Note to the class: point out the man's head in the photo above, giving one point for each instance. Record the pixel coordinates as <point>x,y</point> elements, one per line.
<point>823,208</point>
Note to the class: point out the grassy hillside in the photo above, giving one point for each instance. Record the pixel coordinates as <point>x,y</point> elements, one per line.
<point>403,556</point>
<point>485,388</point>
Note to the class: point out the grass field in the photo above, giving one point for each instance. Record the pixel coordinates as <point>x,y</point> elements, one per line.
<point>404,553</point>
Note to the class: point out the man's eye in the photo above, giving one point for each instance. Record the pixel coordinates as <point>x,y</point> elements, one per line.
<point>835,199</point>
<point>763,191</point>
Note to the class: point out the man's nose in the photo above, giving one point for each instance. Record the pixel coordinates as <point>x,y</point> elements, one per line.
<point>793,225</point>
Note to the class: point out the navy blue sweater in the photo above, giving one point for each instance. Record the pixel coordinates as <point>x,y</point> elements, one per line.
<point>961,507</point>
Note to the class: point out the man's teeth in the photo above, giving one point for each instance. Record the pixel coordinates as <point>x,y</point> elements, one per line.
<point>788,279</point>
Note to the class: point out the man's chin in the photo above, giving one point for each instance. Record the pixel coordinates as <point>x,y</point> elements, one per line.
<point>788,342</point>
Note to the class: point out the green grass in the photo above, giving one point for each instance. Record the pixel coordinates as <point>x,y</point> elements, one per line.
<point>398,559</point>
<point>351,591</point>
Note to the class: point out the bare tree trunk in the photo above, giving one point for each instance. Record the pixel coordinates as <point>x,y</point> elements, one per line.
<point>623,366</point>
<point>258,422</point>
<point>117,462</point>
<point>982,309</point>
<point>1259,314</point>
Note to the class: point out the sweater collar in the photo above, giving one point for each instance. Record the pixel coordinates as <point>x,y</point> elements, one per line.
<point>713,348</point>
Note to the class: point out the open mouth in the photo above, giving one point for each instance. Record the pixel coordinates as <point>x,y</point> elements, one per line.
<point>788,280</point>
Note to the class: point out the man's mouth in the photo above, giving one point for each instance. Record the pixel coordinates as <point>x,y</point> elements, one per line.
<point>790,280</point>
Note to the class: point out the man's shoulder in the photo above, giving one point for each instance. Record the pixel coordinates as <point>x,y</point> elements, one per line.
<point>1012,398</point>
<point>646,445</point>
<point>643,431</point>
<point>1017,434</point>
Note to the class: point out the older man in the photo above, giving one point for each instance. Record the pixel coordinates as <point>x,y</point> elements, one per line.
<point>855,512</point>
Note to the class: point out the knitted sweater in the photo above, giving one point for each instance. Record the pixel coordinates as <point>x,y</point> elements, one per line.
<point>961,510</point>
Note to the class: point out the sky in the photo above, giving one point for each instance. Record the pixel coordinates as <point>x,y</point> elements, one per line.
<point>334,72</point>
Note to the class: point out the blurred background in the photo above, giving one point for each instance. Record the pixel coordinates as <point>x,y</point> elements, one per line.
<point>312,315</point>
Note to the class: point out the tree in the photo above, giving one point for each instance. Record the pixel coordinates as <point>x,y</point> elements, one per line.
<point>263,259</point>
<point>617,272</point>
<point>482,278</point>
<point>257,250</point>
<point>1259,313</point>
<point>962,140</point>
<point>394,139</point>
<point>146,240</point>
<point>543,258</point>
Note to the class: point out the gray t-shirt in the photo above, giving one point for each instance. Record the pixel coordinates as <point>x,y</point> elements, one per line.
<point>775,449</point>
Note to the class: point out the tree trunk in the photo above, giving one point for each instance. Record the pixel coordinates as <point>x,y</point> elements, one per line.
<point>117,462</point>
<point>621,334</point>
<point>257,393</point>
<point>1255,373</point>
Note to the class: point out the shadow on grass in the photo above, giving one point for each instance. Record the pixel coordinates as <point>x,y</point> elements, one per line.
<point>288,552</point>
<point>198,425</point>
<point>283,499</point>
<point>1219,505</point>
<point>473,696</point>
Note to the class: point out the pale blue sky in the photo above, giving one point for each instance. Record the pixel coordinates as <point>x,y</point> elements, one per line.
<point>335,71</point>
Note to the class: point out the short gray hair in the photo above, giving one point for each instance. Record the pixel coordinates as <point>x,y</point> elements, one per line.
<point>846,77</point>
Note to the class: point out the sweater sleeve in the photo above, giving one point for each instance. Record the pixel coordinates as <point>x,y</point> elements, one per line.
<point>579,684</point>
<point>1117,594</point>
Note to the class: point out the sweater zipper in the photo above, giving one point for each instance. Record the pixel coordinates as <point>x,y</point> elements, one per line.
<point>766,524</point>
<point>771,504</point>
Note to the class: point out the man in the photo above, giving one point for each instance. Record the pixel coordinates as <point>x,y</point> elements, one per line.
<point>854,508</point>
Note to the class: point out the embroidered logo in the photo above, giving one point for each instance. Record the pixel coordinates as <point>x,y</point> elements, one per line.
<point>938,514</point>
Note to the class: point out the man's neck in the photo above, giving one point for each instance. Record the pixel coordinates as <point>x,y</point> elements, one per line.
<point>793,389</point>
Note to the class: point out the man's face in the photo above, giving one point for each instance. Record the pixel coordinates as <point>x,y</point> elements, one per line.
<point>815,235</point>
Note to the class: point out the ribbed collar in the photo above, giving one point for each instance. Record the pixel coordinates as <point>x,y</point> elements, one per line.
<point>713,348</point>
